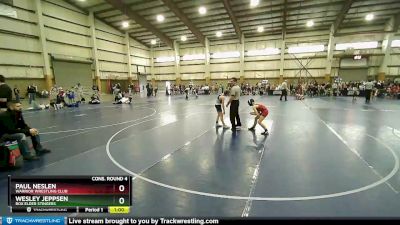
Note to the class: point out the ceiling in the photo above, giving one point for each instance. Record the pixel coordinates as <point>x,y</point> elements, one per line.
<point>236,17</point>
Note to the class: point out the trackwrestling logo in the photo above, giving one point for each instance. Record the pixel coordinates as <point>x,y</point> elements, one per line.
<point>33,220</point>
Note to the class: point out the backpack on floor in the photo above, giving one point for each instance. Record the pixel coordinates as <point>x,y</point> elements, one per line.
<point>10,155</point>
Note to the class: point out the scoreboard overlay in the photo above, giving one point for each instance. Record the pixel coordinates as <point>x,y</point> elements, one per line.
<point>91,194</point>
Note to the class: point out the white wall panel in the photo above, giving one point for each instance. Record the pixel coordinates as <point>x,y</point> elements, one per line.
<point>110,56</point>
<point>140,52</point>
<point>375,60</point>
<point>68,15</point>
<point>195,76</point>
<point>163,64</point>
<point>65,25</point>
<point>102,26</point>
<point>264,38</point>
<point>112,75</point>
<point>314,73</point>
<point>25,4</point>
<point>224,48</point>
<point>21,72</point>
<point>223,61</point>
<point>372,71</point>
<point>110,66</point>
<point>164,70</point>
<point>225,67</point>
<point>163,78</point>
<point>134,43</point>
<point>110,37</point>
<point>163,53</point>
<point>266,65</point>
<point>110,46</point>
<point>262,45</point>
<point>64,49</point>
<point>191,62</point>
<point>20,58</point>
<point>261,74</point>
<point>261,58</point>
<point>191,51</point>
<point>64,4</point>
<point>224,75</point>
<point>192,69</point>
<point>18,26</point>
<point>140,61</point>
<point>26,15</point>
<point>20,43</point>
<point>394,71</point>
<point>67,37</point>
<point>394,60</point>
<point>294,64</point>
<point>359,38</point>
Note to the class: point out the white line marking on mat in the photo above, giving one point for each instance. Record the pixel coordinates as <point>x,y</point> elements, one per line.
<point>235,197</point>
<point>109,125</point>
<point>81,115</point>
<point>247,207</point>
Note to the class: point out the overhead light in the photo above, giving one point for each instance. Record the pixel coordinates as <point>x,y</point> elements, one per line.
<point>306,49</point>
<point>183,38</point>
<point>218,34</point>
<point>395,43</point>
<point>202,10</point>
<point>193,57</point>
<point>160,18</point>
<point>254,3</point>
<point>266,51</point>
<point>165,59</point>
<point>357,45</point>
<point>260,29</point>
<point>310,23</point>
<point>125,24</point>
<point>153,42</point>
<point>369,17</point>
<point>82,0</point>
<point>223,55</point>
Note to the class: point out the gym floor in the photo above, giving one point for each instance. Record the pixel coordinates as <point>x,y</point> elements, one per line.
<point>324,157</point>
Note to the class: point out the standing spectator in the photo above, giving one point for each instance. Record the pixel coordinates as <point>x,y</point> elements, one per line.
<point>155,90</point>
<point>31,93</point>
<point>95,89</point>
<point>130,87</point>
<point>284,90</point>
<point>5,93</point>
<point>16,93</point>
<point>234,105</point>
<point>147,89</point>
<point>368,90</point>
<point>79,91</point>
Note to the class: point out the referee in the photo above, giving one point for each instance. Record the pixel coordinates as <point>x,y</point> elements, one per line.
<point>234,108</point>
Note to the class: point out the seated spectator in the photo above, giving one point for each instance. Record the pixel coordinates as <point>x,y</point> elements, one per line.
<point>95,99</point>
<point>128,95</point>
<point>59,103</point>
<point>118,97</point>
<point>71,96</point>
<point>13,127</point>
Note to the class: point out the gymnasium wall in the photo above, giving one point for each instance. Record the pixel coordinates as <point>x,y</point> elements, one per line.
<point>257,68</point>
<point>67,31</point>
<point>21,61</point>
